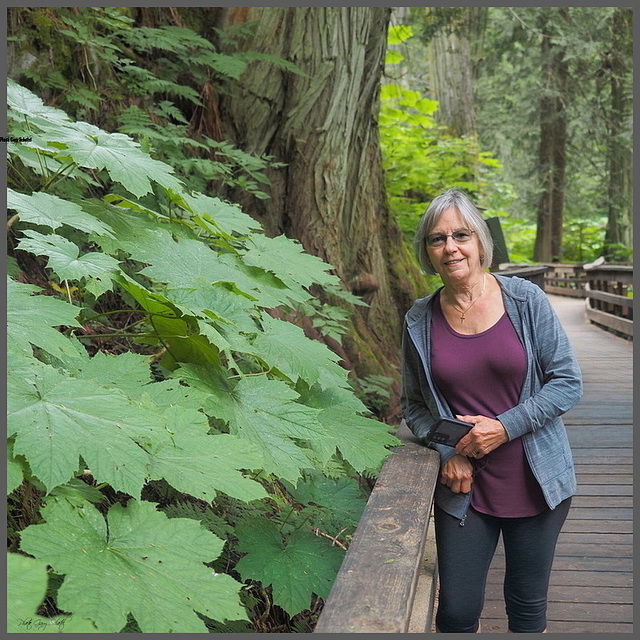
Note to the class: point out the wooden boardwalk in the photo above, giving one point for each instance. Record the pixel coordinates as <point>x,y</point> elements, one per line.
<point>591,587</point>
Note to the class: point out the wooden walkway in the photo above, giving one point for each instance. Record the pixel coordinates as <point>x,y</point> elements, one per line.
<point>591,587</point>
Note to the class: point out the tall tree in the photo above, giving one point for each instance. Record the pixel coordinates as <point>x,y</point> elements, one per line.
<point>323,126</point>
<point>553,141</point>
<point>455,37</point>
<point>617,59</point>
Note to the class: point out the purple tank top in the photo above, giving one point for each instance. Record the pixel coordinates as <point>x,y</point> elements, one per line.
<point>482,374</point>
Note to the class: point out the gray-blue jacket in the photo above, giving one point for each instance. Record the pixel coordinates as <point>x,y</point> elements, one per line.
<point>552,385</point>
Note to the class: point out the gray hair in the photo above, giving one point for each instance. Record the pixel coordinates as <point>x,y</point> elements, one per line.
<point>452,199</point>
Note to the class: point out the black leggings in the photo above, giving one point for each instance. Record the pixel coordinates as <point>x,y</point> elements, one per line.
<point>465,554</point>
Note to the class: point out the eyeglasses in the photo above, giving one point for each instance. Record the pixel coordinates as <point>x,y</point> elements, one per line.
<point>440,239</point>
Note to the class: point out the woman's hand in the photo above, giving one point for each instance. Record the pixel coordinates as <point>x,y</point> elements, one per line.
<point>487,434</point>
<point>457,474</point>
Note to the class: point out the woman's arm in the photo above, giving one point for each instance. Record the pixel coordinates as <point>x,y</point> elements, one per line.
<point>558,383</point>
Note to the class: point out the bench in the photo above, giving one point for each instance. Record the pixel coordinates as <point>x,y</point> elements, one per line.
<point>387,581</point>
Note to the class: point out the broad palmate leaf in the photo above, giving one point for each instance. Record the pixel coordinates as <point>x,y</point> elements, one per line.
<point>53,212</point>
<point>362,441</point>
<point>261,411</point>
<point>295,568</point>
<point>287,259</point>
<point>67,263</point>
<point>56,419</point>
<point>30,320</point>
<point>119,154</point>
<point>284,346</point>
<point>199,464</point>
<point>25,103</point>
<point>26,589</point>
<point>339,501</point>
<point>137,561</point>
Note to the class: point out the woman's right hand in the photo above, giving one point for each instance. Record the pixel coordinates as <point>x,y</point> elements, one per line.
<point>457,474</point>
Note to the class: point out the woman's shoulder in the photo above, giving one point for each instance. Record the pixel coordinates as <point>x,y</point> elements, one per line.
<point>420,308</point>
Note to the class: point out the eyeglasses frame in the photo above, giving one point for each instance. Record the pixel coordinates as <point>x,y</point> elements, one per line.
<point>449,235</point>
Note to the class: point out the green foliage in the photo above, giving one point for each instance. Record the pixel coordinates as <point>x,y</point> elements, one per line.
<point>134,79</point>
<point>135,556</point>
<point>508,121</point>
<point>310,563</point>
<point>169,431</point>
<point>421,160</point>
<point>26,590</point>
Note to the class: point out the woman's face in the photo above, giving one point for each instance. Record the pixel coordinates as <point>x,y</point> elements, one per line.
<point>454,262</point>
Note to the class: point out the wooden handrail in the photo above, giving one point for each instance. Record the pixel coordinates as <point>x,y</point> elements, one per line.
<point>605,288</point>
<point>565,279</point>
<point>386,583</point>
<point>608,303</point>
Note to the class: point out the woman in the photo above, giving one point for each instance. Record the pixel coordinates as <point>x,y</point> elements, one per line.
<point>489,350</point>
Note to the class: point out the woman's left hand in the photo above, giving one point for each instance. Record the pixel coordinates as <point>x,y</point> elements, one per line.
<point>486,435</point>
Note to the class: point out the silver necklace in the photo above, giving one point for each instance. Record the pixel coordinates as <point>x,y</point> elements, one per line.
<point>464,313</point>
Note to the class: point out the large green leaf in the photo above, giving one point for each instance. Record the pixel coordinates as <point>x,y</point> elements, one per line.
<point>25,103</point>
<point>190,268</point>
<point>261,411</point>
<point>178,334</point>
<point>91,147</point>
<point>201,465</point>
<point>130,227</point>
<point>26,589</point>
<point>363,442</point>
<point>49,210</point>
<point>56,419</point>
<point>217,216</point>
<point>30,320</point>
<point>127,371</point>
<point>284,346</point>
<point>67,263</point>
<point>340,500</point>
<point>137,561</point>
<point>288,261</point>
<point>295,568</point>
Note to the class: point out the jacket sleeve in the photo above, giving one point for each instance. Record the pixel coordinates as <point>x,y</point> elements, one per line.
<point>557,381</point>
<point>419,407</point>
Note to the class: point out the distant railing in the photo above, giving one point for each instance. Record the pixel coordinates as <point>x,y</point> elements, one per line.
<point>609,293</point>
<point>535,272</point>
<point>607,289</point>
<point>565,279</point>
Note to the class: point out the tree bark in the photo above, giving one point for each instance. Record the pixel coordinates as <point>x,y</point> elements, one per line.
<point>553,150</point>
<point>454,51</point>
<point>620,192</point>
<point>323,125</point>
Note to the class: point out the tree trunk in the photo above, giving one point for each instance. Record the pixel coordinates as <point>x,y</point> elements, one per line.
<point>620,192</point>
<point>553,151</point>
<point>323,125</point>
<point>454,51</point>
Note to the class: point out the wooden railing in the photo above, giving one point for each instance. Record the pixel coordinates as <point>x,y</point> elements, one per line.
<point>386,583</point>
<point>609,293</point>
<point>607,289</point>
<point>565,279</point>
<point>535,272</point>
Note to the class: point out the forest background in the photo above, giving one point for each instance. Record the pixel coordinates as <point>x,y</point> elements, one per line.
<point>210,216</point>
